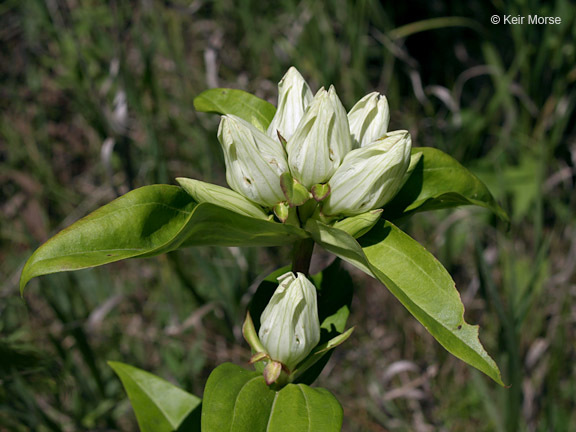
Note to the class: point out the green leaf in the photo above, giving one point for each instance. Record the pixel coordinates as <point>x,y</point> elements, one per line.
<point>317,355</point>
<point>360,224</point>
<point>159,405</point>
<point>150,221</point>
<point>240,401</point>
<point>237,102</point>
<point>417,279</point>
<point>335,291</point>
<point>236,400</point>
<point>437,182</point>
<point>211,225</point>
<point>204,192</point>
<point>299,408</point>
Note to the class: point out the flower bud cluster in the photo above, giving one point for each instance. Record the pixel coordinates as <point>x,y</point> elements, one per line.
<point>318,146</point>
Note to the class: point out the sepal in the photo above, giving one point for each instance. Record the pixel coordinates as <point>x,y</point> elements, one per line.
<point>320,191</point>
<point>251,336</point>
<point>272,372</point>
<point>319,352</point>
<point>294,192</point>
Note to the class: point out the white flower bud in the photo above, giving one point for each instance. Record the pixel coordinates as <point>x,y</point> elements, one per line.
<point>289,326</point>
<point>294,96</point>
<point>369,177</point>
<point>254,161</point>
<point>369,119</point>
<point>320,141</point>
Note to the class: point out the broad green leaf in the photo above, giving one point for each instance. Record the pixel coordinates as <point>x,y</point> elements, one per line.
<point>417,279</point>
<point>159,405</point>
<point>340,243</point>
<point>150,221</point>
<point>236,400</point>
<point>240,401</point>
<point>439,181</point>
<point>238,102</point>
<point>211,225</point>
<point>520,182</point>
<point>299,408</point>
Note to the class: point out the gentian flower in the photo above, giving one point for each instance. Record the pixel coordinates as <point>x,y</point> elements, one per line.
<point>289,326</point>
<point>370,176</point>
<point>348,162</point>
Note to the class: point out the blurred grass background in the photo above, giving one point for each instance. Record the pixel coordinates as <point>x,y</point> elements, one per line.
<point>96,99</point>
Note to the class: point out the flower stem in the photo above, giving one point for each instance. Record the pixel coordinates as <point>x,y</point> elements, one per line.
<point>302,255</point>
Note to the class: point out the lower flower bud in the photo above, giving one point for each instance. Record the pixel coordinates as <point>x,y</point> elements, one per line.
<point>290,327</point>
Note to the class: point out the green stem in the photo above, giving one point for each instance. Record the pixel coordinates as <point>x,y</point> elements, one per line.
<point>302,255</point>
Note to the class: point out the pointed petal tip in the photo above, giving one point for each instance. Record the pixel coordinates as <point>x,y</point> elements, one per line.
<point>292,70</point>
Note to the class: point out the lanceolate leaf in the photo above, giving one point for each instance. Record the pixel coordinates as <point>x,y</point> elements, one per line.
<point>210,225</point>
<point>240,401</point>
<point>439,181</point>
<point>146,222</point>
<point>360,224</point>
<point>240,103</point>
<point>159,405</point>
<point>222,197</point>
<point>417,279</point>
